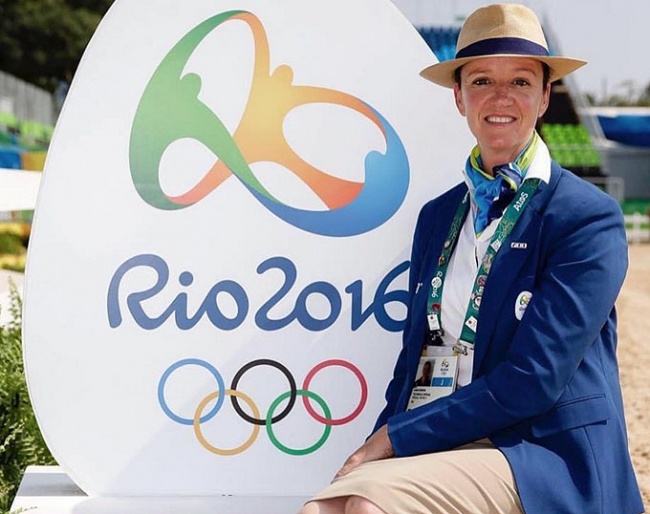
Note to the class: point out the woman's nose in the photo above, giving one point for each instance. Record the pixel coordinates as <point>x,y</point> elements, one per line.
<point>502,93</point>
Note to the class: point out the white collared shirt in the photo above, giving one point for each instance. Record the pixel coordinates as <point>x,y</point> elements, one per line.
<point>464,265</point>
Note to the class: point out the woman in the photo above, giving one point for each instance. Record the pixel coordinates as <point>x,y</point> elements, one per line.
<point>514,273</point>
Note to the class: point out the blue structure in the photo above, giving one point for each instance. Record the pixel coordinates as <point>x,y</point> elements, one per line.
<point>442,40</point>
<point>628,128</point>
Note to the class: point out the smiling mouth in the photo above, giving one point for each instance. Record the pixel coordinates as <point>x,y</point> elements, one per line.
<point>499,119</point>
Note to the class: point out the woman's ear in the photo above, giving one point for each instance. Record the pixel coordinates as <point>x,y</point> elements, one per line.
<point>546,99</point>
<point>458,97</point>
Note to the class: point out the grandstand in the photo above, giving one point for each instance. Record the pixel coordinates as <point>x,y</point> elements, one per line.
<point>570,145</point>
<point>26,124</point>
<point>26,128</point>
<point>23,143</point>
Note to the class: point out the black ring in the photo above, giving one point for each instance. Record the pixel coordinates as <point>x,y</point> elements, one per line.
<point>274,364</point>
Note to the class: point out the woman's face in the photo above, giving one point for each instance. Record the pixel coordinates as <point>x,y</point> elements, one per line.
<point>502,98</point>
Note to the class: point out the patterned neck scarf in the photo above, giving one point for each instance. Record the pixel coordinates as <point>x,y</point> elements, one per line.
<point>493,194</point>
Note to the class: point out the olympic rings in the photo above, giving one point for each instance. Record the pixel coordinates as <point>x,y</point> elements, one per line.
<point>257,420</point>
<point>314,447</point>
<point>197,424</point>
<point>355,412</point>
<point>292,385</point>
<point>198,362</point>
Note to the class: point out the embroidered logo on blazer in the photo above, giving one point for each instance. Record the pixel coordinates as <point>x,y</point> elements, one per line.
<point>521,303</point>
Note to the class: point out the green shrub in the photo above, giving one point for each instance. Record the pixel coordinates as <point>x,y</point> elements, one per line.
<point>11,243</point>
<point>13,262</point>
<point>21,442</point>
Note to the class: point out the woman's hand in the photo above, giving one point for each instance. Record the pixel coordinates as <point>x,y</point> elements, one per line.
<point>377,447</point>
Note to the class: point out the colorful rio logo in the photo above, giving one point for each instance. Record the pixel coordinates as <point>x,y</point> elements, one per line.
<point>257,420</point>
<point>170,110</point>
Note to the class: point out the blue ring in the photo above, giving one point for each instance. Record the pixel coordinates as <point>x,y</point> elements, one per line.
<point>174,367</point>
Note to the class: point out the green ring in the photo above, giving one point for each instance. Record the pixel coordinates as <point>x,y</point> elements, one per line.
<point>286,449</point>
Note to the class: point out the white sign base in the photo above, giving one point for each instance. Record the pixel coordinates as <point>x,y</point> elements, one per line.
<point>49,490</point>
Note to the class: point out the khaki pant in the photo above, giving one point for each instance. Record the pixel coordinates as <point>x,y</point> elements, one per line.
<point>473,479</point>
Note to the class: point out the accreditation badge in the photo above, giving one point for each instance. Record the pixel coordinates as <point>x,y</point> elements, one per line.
<point>437,376</point>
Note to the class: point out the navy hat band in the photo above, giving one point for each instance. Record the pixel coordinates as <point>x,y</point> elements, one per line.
<point>502,45</point>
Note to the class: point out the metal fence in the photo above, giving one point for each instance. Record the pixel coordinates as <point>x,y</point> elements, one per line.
<point>25,101</point>
<point>637,227</point>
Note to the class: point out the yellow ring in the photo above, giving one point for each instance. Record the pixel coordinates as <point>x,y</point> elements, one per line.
<point>204,442</point>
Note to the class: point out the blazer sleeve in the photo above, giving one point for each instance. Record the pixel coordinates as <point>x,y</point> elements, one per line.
<point>580,277</point>
<point>400,370</point>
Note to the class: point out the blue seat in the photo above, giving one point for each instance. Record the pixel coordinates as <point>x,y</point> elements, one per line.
<point>442,40</point>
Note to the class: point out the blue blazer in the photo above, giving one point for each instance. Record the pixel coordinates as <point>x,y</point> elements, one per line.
<point>545,390</point>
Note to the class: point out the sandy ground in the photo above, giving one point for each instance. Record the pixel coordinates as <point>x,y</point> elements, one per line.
<point>634,360</point>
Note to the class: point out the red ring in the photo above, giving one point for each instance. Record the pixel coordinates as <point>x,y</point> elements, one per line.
<point>362,402</point>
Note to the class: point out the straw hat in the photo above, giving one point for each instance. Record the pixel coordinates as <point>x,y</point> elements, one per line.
<point>504,30</point>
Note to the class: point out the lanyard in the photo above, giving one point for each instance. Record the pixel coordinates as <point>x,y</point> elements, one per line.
<point>505,226</point>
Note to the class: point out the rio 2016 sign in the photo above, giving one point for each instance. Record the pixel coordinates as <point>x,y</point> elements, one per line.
<point>210,307</point>
<point>217,277</point>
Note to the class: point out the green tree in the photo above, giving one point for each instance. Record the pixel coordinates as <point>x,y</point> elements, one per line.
<point>631,97</point>
<point>41,41</point>
<point>644,98</point>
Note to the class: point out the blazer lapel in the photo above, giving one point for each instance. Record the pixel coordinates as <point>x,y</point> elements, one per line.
<point>507,265</point>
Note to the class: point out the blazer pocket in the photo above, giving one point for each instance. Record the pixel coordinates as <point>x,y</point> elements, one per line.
<point>572,414</point>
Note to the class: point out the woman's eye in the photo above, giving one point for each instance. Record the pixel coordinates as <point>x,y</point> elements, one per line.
<point>481,81</point>
<point>520,82</point>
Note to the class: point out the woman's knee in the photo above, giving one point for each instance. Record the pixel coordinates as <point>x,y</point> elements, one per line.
<point>330,506</point>
<point>360,505</point>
